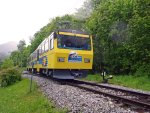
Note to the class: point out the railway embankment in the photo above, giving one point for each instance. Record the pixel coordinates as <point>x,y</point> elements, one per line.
<point>78,100</point>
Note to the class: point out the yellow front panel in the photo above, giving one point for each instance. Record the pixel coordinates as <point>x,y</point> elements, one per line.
<point>62,53</point>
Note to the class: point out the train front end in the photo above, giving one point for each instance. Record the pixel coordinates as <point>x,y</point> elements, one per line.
<point>73,54</point>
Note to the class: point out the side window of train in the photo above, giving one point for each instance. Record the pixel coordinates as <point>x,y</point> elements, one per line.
<point>52,41</point>
<point>46,45</point>
<point>49,43</point>
<point>42,48</point>
<point>35,54</point>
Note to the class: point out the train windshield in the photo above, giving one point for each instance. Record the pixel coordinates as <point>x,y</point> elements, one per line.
<point>74,42</point>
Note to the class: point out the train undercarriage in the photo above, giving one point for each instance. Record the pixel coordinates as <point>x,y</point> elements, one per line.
<point>61,73</point>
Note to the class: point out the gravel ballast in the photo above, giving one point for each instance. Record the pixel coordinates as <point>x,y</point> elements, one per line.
<point>77,100</point>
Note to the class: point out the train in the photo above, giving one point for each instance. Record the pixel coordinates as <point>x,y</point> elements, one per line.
<point>64,54</point>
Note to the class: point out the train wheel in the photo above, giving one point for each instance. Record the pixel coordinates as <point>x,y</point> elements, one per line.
<point>49,73</point>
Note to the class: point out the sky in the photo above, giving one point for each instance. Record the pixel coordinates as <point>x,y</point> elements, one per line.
<point>20,19</point>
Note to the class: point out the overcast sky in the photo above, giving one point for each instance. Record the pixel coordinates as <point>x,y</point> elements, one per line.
<point>20,19</point>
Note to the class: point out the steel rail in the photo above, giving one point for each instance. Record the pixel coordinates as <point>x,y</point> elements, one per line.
<point>122,99</point>
<point>113,88</point>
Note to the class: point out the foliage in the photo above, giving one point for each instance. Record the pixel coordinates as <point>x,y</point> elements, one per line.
<point>143,70</point>
<point>95,3</point>
<point>85,11</point>
<point>64,22</point>
<point>17,99</point>
<point>15,57</point>
<point>8,63</point>
<point>0,64</point>
<point>9,76</point>
<point>21,45</point>
<point>20,56</point>
<point>122,39</point>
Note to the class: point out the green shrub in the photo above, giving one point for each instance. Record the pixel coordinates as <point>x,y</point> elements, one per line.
<point>143,70</point>
<point>8,63</point>
<point>9,76</point>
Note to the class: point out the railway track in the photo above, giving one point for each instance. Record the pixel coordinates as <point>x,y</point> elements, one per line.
<point>128,97</point>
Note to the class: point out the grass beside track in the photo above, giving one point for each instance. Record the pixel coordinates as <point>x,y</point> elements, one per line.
<point>17,99</point>
<point>136,82</point>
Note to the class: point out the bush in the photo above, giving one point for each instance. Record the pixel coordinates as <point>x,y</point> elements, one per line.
<point>8,63</point>
<point>9,76</point>
<point>143,70</point>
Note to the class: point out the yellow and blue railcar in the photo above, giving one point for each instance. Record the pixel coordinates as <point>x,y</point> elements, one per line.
<point>65,54</point>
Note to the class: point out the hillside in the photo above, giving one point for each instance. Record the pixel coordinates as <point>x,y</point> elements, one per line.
<point>6,48</point>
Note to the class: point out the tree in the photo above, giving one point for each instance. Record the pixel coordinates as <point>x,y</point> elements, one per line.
<point>8,63</point>
<point>20,56</point>
<point>21,45</point>
<point>64,22</point>
<point>85,11</point>
<point>15,56</point>
<point>121,29</point>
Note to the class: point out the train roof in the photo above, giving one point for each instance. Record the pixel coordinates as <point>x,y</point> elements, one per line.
<point>73,31</point>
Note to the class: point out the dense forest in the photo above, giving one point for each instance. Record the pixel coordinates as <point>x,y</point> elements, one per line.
<point>120,30</point>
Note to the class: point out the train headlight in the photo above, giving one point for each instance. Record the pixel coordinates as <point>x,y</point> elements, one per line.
<point>61,59</point>
<point>87,60</point>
